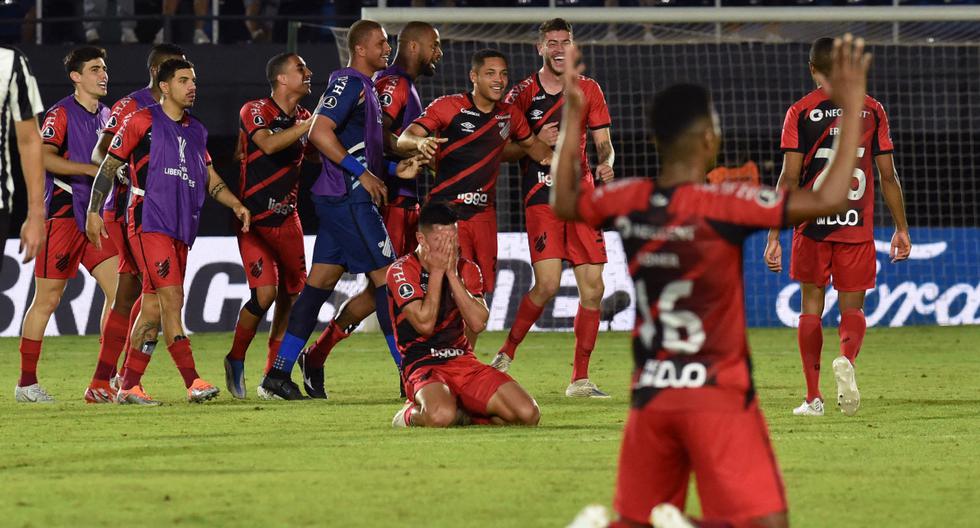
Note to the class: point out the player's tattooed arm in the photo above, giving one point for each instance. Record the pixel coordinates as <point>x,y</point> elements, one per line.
<point>605,154</point>
<point>566,165</point>
<point>220,193</point>
<point>101,187</point>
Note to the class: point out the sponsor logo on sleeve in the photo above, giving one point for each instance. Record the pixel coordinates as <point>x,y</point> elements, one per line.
<point>406,291</point>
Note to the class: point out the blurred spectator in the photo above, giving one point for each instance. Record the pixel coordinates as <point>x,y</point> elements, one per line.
<point>261,31</point>
<point>99,8</point>
<point>200,9</point>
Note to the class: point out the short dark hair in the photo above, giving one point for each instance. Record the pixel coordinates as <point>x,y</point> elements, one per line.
<point>161,53</point>
<point>360,31</point>
<point>437,213</point>
<point>170,67</point>
<point>675,109</point>
<point>555,24</point>
<point>275,66</point>
<point>414,31</point>
<point>481,56</point>
<point>79,56</point>
<point>821,55</point>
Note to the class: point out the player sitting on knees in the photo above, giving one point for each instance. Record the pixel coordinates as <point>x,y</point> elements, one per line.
<point>432,293</point>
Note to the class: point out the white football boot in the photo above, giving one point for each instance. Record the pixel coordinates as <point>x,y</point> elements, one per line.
<point>813,408</point>
<point>848,395</point>
<point>592,516</point>
<point>501,362</point>
<point>667,515</point>
<point>32,394</point>
<point>583,388</point>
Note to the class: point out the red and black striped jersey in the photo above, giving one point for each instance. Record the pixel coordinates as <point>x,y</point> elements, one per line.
<point>401,104</point>
<point>810,127</point>
<point>268,183</point>
<point>684,251</point>
<point>541,108</point>
<point>408,281</point>
<point>468,164</point>
<point>54,132</point>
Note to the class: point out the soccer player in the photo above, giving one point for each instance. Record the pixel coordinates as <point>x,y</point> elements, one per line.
<point>169,179</point>
<point>69,132</point>
<point>126,306</point>
<point>419,51</point>
<point>434,295</point>
<point>694,406</point>
<point>551,240</point>
<point>470,131</point>
<point>273,141</point>
<point>351,236</point>
<point>839,245</point>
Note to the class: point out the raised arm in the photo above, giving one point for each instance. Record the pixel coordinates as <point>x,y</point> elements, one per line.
<point>566,166</point>
<point>220,193</point>
<point>415,138</point>
<point>891,190</point>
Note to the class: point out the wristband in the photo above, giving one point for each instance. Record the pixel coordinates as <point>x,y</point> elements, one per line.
<point>351,165</point>
<point>392,168</point>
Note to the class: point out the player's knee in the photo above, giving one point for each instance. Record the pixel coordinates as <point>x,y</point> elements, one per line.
<point>439,416</point>
<point>591,296</point>
<point>264,297</point>
<point>527,413</point>
<point>46,304</point>
<point>546,288</point>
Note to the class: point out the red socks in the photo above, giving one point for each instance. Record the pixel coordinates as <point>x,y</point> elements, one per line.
<point>586,330</point>
<point>527,314</point>
<point>180,351</point>
<point>852,328</point>
<point>30,352</point>
<point>810,337</point>
<point>273,352</point>
<point>136,361</point>
<point>113,341</point>
<point>243,338</point>
<point>134,313</point>
<point>331,335</point>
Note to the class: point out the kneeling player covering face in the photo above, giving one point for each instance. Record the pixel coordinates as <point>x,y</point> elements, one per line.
<point>432,293</point>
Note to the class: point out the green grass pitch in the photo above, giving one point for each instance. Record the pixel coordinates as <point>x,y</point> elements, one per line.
<point>911,457</point>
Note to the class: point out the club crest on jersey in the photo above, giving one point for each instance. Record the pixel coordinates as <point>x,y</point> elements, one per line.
<point>504,129</point>
<point>48,132</point>
<point>406,291</point>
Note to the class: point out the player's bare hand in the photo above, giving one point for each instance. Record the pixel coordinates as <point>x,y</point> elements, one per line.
<point>848,81</point>
<point>549,133</point>
<point>428,146</point>
<point>773,256</point>
<point>901,246</point>
<point>408,168</point>
<point>31,237</point>
<point>244,216</point>
<point>572,93</point>
<point>95,229</point>
<point>605,172</point>
<point>438,252</point>
<point>375,187</point>
<point>452,249</point>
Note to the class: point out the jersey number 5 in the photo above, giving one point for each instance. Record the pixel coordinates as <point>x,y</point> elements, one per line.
<point>859,175</point>
<point>671,320</point>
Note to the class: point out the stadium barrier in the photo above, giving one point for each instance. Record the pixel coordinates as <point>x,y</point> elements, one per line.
<point>940,284</point>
